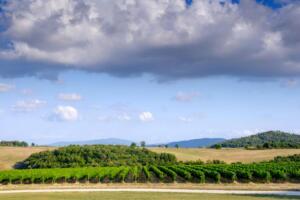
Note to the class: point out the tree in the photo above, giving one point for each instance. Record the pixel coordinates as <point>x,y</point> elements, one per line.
<point>166,146</point>
<point>133,145</point>
<point>266,145</point>
<point>143,144</point>
<point>176,146</point>
<point>218,146</point>
<point>96,156</point>
<point>32,144</point>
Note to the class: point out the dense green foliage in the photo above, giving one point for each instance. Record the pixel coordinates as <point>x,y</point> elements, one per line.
<point>292,158</point>
<point>266,140</point>
<point>13,143</point>
<point>209,173</point>
<point>96,156</point>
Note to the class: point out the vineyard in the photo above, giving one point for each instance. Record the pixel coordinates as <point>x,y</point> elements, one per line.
<point>213,173</point>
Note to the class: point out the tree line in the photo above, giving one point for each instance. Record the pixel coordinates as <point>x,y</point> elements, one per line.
<point>14,143</point>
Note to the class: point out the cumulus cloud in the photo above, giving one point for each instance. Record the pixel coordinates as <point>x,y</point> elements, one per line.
<point>69,97</point>
<point>5,87</point>
<point>28,105</point>
<point>186,96</point>
<point>65,113</point>
<point>146,117</point>
<point>165,38</point>
<point>111,118</point>
<point>26,92</point>
<point>185,119</point>
<point>124,117</point>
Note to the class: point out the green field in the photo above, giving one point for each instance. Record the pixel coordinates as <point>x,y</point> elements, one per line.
<point>135,196</point>
<point>182,173</point>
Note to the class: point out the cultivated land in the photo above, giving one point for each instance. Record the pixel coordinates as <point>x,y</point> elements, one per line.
<point>227,155</point>
<point>11,155</point>
<point>135,196</point>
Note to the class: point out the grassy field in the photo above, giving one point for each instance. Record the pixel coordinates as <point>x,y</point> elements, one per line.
<point>11,155</point>
<point>227,155</point>
<point>134,196</point>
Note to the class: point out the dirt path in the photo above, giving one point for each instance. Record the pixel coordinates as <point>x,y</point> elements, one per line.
<point>286,193</point>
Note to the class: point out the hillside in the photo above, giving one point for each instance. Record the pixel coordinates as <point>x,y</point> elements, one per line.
<point>270,139</point>
<point>95,156</point>
<point>195,143</point>
<point>107,141</point>
<point>229,155</point>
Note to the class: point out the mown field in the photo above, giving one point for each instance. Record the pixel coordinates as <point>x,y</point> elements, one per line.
<point>11,155</point>
<point>227,155</point>
<point>135,196</point>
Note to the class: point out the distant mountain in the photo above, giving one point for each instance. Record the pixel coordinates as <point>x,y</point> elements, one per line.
<point>107,141</point>
<point>195,143</point>
<point>270,139</point>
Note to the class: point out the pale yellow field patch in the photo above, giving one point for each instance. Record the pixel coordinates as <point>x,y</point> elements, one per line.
<point>227,155</point>
<point>9,156</point>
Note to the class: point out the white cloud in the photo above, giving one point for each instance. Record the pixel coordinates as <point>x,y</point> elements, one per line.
<point>27,92</point>
<point>5,87</point>
<point>28,105</point>
<point>146,117</point>
<point>69,97</point>
<point>105,119</point>
<point>124,117</point>
<point>161,37</point>
<point>65,113</point>
<point>186,96</point>
<point>185,119</point>
<point>290,83</point>
<point>120,117</point>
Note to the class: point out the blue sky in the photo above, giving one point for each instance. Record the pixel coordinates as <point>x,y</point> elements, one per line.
<point>223,73</point>
<point>220,107</point>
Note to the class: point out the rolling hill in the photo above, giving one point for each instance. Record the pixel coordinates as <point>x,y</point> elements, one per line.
<point>195,143</point>
<point>95,156</point>
<point>270,139</point>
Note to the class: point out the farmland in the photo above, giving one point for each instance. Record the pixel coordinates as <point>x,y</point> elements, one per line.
<point>226,154</point>
<point>11,155</point>
<point>214,173</point>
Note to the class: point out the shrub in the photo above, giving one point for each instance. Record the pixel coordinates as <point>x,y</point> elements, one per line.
<point>169,172</point>
<point>260,175</point>
<point>157,172</point>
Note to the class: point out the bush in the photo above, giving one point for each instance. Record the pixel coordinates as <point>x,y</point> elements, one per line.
<point>261,176</point>
<point>182,172</point>
<point>169,173</point>
<point>96,156</point>
<point>278,175</point>
<point>244,175</point>
<point>157,172</point>
<point>147,173</point>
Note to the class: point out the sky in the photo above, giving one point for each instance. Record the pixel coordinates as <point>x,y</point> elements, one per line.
<point>157,70</point>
